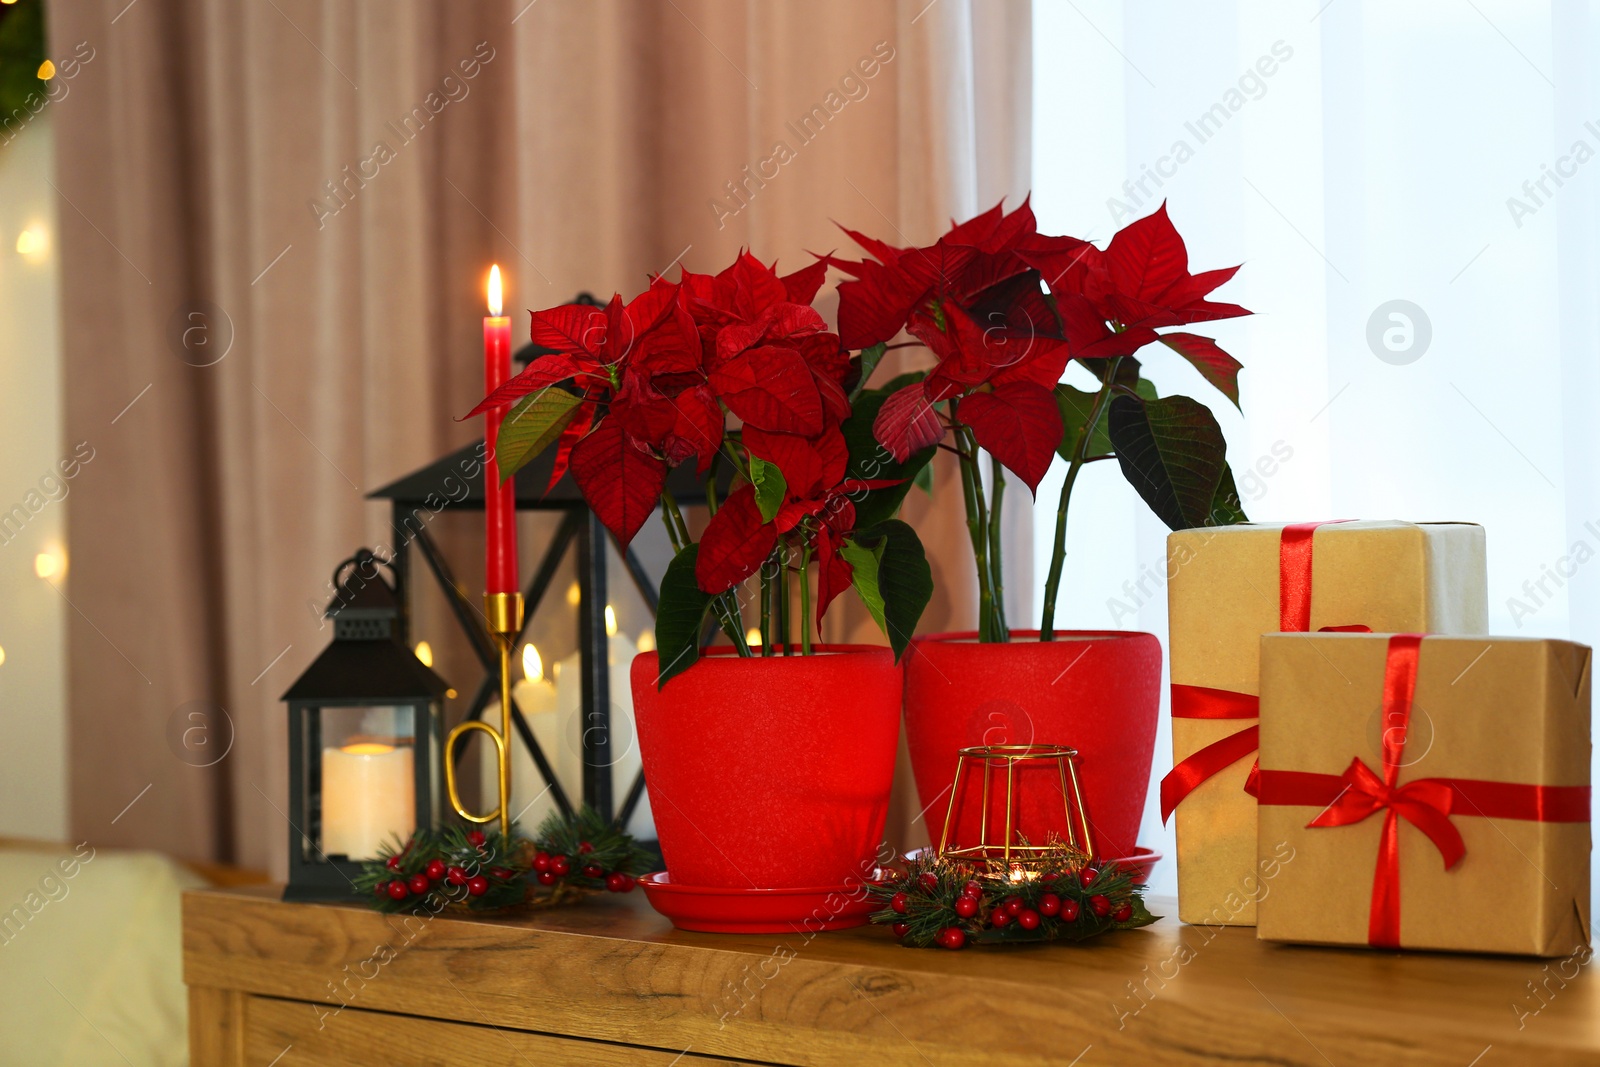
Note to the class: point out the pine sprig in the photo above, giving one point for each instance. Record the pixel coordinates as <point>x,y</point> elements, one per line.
<point>1061,897</point>
<point>473,870</point>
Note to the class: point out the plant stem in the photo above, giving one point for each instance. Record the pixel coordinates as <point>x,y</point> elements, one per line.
<point>766,606</point>
<point>782,594</point>
<point>672,531</point>
<point>669,505</point>
<point>805,601</point>
<point>1058,552</point>
<point>711,484</point>
<point>996,580</point>
<point>977,523</point>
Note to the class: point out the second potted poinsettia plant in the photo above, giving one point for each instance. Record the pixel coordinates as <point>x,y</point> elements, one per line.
<point>770,760</point>
<point>1003,309</point>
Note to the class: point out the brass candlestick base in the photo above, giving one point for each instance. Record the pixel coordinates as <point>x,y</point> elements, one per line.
<point>504,614</point>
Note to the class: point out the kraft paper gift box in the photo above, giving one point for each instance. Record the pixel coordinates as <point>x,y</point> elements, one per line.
<point>1225,590</point>
<point>1465,824</point>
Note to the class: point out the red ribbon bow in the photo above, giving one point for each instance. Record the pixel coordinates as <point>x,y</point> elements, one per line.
<point>1201,702</point>
<point>1426,803</point>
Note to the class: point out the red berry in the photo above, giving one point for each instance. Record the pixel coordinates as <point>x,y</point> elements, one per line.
<point>1123,913</point>
<point>628,883</point>
<point>952,937</point>
<point>382,888</point>
<point>560,866</point>
<point>593,870</point>
<point>617,882</point>
<point>546,878</point>
<point>973,889</point>
<point>501,874</point>
<point>436,869</point>
<point>898,903</point>
<point>901,929</point>
<point>1069,910</point>
<point>1014,907</point>
<point>1087,876</point>
<point>584,848</point>
<point>1028,919</point>
<point>966,907</point>
<point>1049,904</point>
<point>393,863</point>
<point>1100,905</point>
<point>477,885</point>
<point>929,880</point>
<point>475,838</point>
<point>541,862</point>
<point>999,917</point>
<point>418,884</point>
<point>397,890</point>
<point>456,875</point>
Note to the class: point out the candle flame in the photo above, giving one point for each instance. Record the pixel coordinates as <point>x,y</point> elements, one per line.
<point>425,653</point>
<point>367,748</point>
<point>494,290</point>
<point>532,665</point>
<point>611,622</point>
<point>752,636</point>
<point>647,641</point>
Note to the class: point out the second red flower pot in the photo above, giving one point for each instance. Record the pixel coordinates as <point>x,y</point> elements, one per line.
<point>1098,691</point>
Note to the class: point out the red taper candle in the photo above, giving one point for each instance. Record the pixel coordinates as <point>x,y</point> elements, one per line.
<point>499,500</point>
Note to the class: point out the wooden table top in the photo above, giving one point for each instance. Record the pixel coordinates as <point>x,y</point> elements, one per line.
<point>613,970</point>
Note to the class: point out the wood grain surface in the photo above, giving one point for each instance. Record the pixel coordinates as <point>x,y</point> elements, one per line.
<point>614,971</point>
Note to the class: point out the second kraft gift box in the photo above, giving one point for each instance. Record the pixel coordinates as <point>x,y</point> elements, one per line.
<point>1227,586</point>
<point>1433,792</point>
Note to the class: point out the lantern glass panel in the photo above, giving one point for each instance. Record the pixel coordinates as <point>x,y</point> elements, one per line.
<point>363,785</point>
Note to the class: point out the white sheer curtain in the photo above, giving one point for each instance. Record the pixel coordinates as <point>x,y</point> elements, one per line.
<point>1353,155</point>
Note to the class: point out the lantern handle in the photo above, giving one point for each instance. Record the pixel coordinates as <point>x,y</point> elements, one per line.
<point>363,558</point>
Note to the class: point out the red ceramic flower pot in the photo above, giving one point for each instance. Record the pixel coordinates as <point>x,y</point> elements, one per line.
<point>770,772</point>
<point>1097,691</point>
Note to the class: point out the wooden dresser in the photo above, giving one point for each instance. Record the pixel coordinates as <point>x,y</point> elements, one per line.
<point>280,985</point>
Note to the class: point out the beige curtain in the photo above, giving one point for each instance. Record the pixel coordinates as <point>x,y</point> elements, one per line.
<point>276,217</point>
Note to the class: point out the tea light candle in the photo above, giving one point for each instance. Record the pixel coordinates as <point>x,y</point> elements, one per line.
<point>367,798</point>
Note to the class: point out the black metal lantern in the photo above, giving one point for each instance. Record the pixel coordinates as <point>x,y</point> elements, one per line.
<point>364,738</point>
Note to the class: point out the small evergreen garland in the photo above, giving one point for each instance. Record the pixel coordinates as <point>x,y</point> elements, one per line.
<point>567,858</point>
<point>1063,897</point>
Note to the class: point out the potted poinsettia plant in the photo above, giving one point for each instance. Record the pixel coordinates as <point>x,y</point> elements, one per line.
<point>1003,309</point>
<point>769,760</point>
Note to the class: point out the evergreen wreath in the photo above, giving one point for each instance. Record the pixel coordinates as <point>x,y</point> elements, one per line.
<point>1059,896</point>
<point>566,859</point>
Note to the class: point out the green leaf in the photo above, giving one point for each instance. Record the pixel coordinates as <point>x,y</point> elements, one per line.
<point>1173,454</point>
<point>898,382</point>
<point>905,581</point>
<point>1226,508</point>
<point>1146,388</point>
<point>1075,405</point>
<point>680,615</point>
<point>772,489</point>
<point>870,358</point>
<point>531,426</point>
<point>864,576</point>
<point>870,461</point>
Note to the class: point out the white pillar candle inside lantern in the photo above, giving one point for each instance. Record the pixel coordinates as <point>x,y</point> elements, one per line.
<point>367,798</point>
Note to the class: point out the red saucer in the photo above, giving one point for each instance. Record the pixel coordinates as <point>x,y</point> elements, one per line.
<point>719,910</point>
<point>1140,864</point>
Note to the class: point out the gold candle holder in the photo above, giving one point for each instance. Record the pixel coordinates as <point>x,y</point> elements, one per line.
<point>504,614</point>
<point>1009,853</point>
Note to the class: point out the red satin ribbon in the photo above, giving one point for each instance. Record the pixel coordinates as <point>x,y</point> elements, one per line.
<point>1200,702</point>
<point>1426,803</point>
